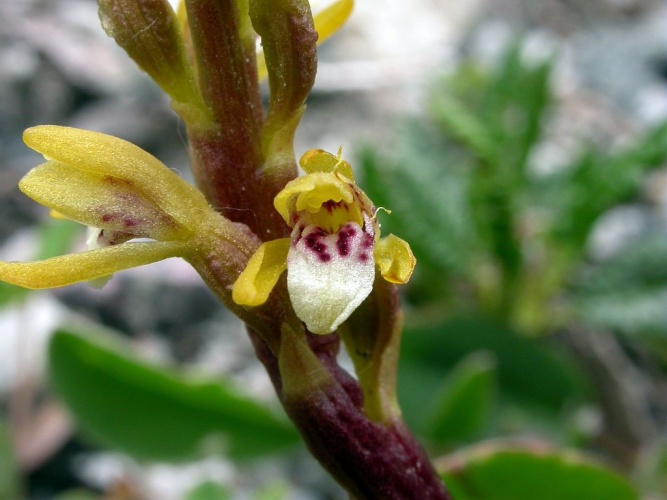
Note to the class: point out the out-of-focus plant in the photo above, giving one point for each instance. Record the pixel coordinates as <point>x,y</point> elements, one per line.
<point>507,282</point>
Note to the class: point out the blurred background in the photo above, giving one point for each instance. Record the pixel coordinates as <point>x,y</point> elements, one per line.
<point>521,147</point>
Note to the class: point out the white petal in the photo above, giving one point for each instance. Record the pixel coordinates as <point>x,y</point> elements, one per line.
<point>329,275</point>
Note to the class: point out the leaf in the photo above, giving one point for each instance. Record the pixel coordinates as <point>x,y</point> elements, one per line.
<point>504,472</point>
<point>56,237</point>
<point>9,473</point>
<point>155,413</point>
<point>641,263</point>
<point>627,293</point>
<point>529,370</point>
<point>209,490</point>
<point>463,406</point>
<point>634,312</point>
<point>418,181</point>
<point>597,182</point>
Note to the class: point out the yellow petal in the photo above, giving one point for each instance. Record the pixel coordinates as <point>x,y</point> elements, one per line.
<point>107,155</point>
<point>331,18</point>
<point>395,259</point>
<point>318,160</point>
<point>75,268</point>
<point>327,21</point>
<point>310,192</point>
<point>253,286</point>
<point>98,200</point>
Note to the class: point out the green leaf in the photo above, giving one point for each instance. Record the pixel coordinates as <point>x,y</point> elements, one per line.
<point>497,472</point>
<point>640,264</point>
<point>596,182</point>
<point>209,491</point>
<point>529,370</point>
<point>627,293</point>
<point>277,490</point>
<point>427,195</point>
<point>57,237</point>
<point>155,413</point>
<point>9,473</point>
<point>634,312</point>
<point>465,126</point>
<point>463,406</point>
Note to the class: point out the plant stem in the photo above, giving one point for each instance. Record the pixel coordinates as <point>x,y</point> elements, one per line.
<point>370,460</point>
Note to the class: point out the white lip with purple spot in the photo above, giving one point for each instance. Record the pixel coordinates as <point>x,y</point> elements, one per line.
<point>334,269</point>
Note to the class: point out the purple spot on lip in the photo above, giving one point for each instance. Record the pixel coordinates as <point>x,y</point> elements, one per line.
<point>107,217</point>
<point>368,242</point>
<point>363,257</point>
<point>343,245</point>
<point>314,243</point>
<point>343,241</point>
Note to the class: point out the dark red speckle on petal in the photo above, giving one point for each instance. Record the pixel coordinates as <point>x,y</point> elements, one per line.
<point>343,243</point>
<point>314,242</point>
<point>368,242</point>
<point>331,205</point>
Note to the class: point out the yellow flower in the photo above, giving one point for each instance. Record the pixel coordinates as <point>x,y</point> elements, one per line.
<point>333,252</point>
<point>117,189</point>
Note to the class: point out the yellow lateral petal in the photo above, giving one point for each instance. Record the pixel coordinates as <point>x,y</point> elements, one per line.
<point>75,268</point>
<point>253,286</point>
<point>108,155</point>
<point>395,259</point>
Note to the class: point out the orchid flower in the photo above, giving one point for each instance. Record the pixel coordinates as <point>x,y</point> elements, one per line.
<point>334,249</point>
<point>119,190</point>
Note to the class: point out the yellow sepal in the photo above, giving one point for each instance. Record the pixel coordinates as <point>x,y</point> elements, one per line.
<point>75,268</point>
<point>395,259</point>
<point>106,155</point>
<point>98,200</point>
<point>331,19</point>
<point>254,284</point>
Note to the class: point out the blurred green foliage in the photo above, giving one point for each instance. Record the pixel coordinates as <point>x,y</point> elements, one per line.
<point>514,472</point>
<point>54,237</point>
<point>504,262</point>
<point>9,478</point>
<point>491,232</point>
<point>154,413</point>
